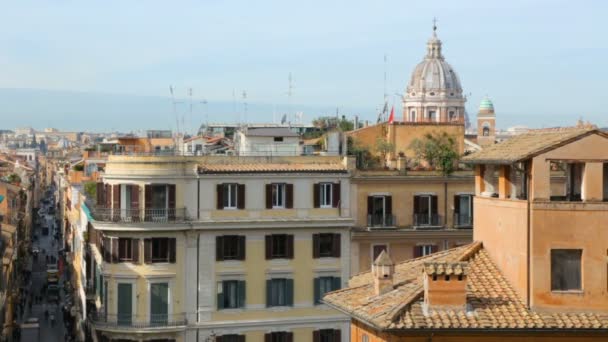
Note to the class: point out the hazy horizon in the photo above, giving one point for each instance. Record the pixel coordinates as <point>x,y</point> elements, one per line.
<point>99,66</point>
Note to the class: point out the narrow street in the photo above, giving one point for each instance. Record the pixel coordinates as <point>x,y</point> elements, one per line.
<point>45,247</point>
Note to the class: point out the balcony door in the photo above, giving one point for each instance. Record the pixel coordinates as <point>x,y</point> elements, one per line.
<point>124,312</point>
<point>463,210</point>
<point>425,210</point>
<point>379,210</point>
<point>159,303</point>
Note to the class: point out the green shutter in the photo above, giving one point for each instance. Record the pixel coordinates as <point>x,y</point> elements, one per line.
<point>125,303</point>
<point>289,292</point>
<point>317,289</point>
<point>336,284</point>
<point>268,293</point>
<point>241,293</point>
<point>159,303</point>
<point>220,297</point>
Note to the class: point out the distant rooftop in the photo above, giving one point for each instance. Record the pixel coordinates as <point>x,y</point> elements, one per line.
<point>271,132</point>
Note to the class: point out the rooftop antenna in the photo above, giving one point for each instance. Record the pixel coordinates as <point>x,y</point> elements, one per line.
<point>190,95</point>
<point>245,106</point>
<point>236,114</point>
<point>174,109</point>
<point>205,112</point>
<point>289,93</point>
<point>385,62</point>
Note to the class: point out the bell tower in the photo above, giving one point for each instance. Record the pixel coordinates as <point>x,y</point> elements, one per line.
<point>486,123</point>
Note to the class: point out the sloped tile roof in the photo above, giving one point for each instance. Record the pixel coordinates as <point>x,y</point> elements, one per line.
<point>493,303</point>
<point>271,168</point>
<point>527,145</point>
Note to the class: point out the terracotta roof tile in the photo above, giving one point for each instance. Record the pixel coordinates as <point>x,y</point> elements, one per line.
<point>272,168</point>
<point>492,301</point>
<point>527,145</point>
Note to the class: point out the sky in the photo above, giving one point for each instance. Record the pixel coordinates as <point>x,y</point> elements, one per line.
<point>108,64</point>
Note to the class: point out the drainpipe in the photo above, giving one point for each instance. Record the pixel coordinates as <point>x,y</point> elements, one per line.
<point>528,248</point>
<point>445,200</point>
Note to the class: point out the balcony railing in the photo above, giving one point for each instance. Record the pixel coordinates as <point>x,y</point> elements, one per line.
<point>162,215</point>
<point>427,220</point>
<point>128,321</point>
<point>463,221</point>
<point>381,221</point>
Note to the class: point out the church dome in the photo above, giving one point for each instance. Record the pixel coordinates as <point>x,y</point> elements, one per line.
<point>486,106</point>
<point>434,73</point>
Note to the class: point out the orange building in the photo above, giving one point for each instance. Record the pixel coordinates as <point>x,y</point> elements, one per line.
<point>537,270</point>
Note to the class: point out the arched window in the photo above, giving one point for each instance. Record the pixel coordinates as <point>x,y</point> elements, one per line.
<point>413,116</point>
<point>486,131</point>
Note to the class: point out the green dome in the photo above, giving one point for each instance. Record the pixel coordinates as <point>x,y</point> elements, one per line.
<point>486,104</point>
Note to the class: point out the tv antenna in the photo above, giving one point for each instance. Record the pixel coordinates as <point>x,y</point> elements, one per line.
<point>244,106</point>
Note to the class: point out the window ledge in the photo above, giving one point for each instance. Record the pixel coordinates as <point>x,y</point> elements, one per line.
<point>328,260</point>
<point>279,261</point>
<point>231,310</point>
<point>279,308</point>
<point>233,263</point>
<point>572,292</point>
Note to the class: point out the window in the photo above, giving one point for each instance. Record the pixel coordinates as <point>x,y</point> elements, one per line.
<point>159,197</point>
<point>423,250</point>
<point>364,338</point>
<point>452,115</point>
<point>159,250</point>
<point>124,303</point>
<point>326,245</point>
<point>379,211</point>
<point>279,292</point>
<point>279,336</point>
<point>230,196</point>
<point>326,335</point>
<point>566,269</point>
<point>325,193</point>
<point>463,210</point>
<point>230,338</point>
<point>425,210</point>
<point>413,115</point>
<point>159,303</point>
<point>432,115</point>
<point>323,285</point>
<point>279,246</point>
<point>278,195</point>
<point>125,249</point>
<point>231,294</point>
<point>278,139</point>
<point>230,247</point>
<point>377,249</point>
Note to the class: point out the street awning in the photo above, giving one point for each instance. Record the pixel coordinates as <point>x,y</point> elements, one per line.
<point>87,212</point>
<point>1,198</point>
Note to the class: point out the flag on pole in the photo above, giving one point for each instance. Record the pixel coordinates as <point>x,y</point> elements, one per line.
<point>391,117</point>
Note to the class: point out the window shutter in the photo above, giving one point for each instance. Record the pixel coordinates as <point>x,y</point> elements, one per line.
<point>218,338</point>
<point>148,202</point>
<point>316,336</point>
<point>290,247</point>
<point>388,201</point>
<point>220,296</point>
<point>456,204</point>
<point>241,248</point>
<point>336,246</point>
<point>219,248</point>
<point>135,250</point>
<point>108,195</point>
<point>268,337</point>
<point>116,196</point>
<point>335,196</point>
<point>416,204</point>
<point>107,249</point>
<point>289,292</point>
<point>240,196</point>
<point>268,292</point>
<point>289,336</point>
<point>417,251</point>
<point>337,335</point>
<point>434,204</point>
<point>315,246</point>
<point>134,202</point>
<point>100,194</point>
<point>114,250</point>
<point>472,207</point>
<point>317,290</point>
<point>268,196</point>
<point>147,251</point>
<point>289,196</point>
<point>241,338</point>
<point>172,250</point>
<point>370,205</point>
<point>220,197</point>
<point>268,239</point>
<point>316,195</point>
<point>336,283</point>
<point>242,294</point>
<point>171,201</point>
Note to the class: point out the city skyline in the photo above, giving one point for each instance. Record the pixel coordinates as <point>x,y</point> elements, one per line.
<point>92,75</point>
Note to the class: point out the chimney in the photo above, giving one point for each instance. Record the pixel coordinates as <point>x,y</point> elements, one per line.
<point>445,285</point>
<point>383,269</point>
<point>356,122</point>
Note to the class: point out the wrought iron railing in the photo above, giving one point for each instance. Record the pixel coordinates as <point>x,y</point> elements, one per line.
<point>379,221</point>
<point>161,215</point>
<point>129,321</point>
<point>427,220</point>
<point>463,221</point>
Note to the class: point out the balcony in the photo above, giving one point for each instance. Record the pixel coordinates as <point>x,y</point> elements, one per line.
<point>463,221</point>
<point>427,221</point>
<point>381,221</point>
<point>163,215</point>
<point>134,322</point>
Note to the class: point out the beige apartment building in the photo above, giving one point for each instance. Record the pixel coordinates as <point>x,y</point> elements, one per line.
<point>219,247</point>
